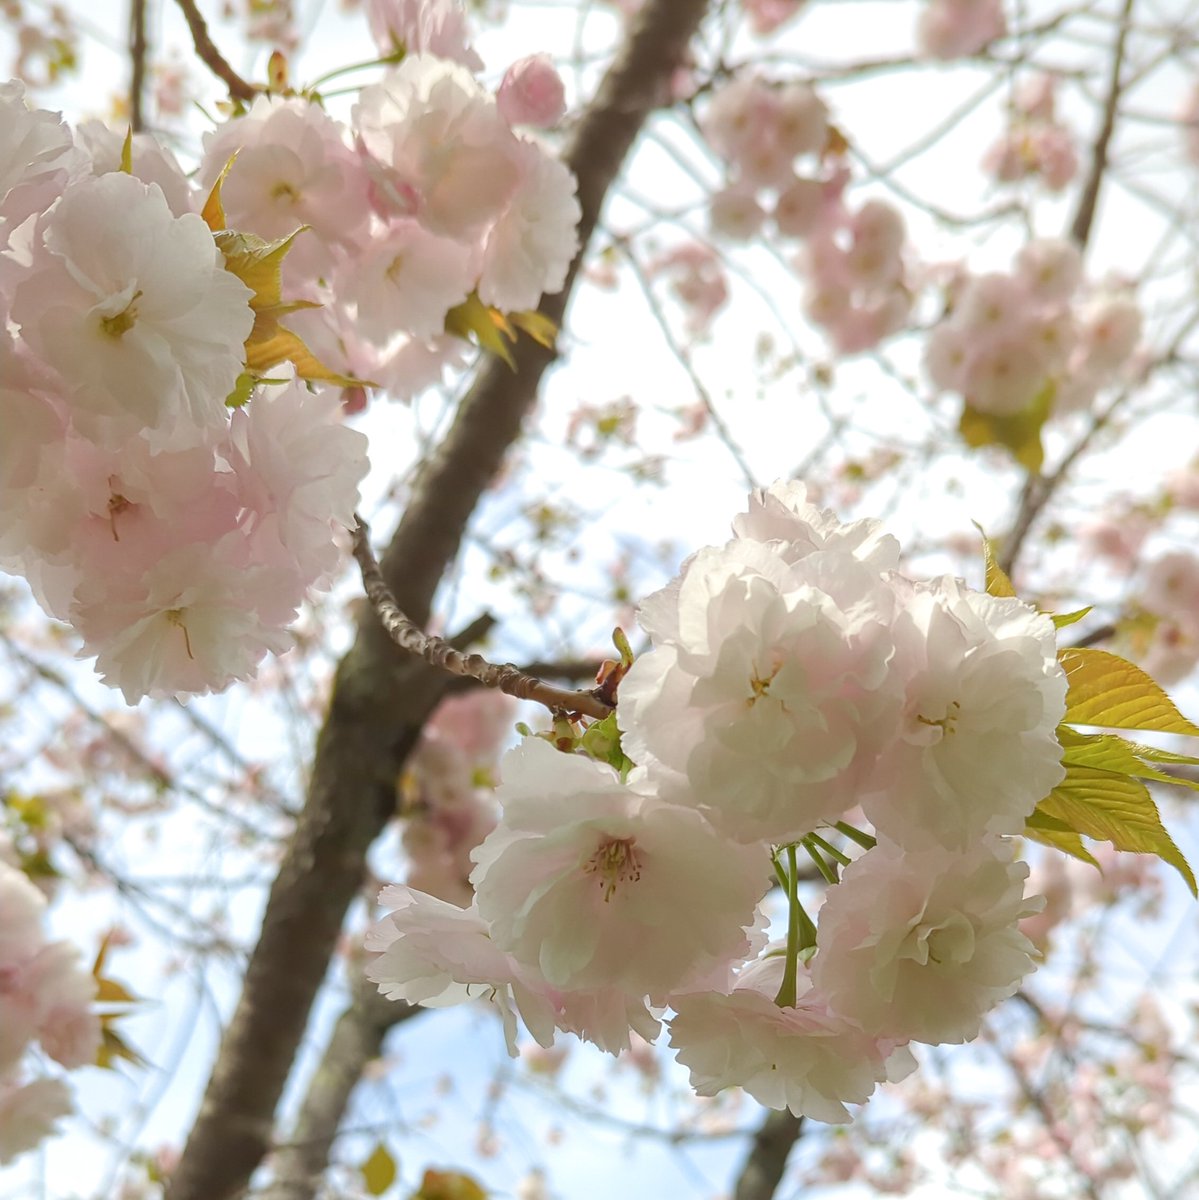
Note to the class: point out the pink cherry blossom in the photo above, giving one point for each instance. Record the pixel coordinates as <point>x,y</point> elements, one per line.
<point>591,883</point>
<point>802,1057</point>
<point>135,310</point>
<point>901,928</point>
<point>435,27</point>
<point>531,93</point>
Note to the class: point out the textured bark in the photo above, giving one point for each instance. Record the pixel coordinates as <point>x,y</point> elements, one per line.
<point>767,1158</point>
<point>381,697</point>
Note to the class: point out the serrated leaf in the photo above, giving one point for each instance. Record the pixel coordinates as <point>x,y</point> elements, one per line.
<point>268,349</point>
<point>243,389</point>
<point>537,325</point>
<point>1061,620</point>
<point>213,212</point>
<point>1050,831</point>
<point>601,741</point>
<point>997,582</point>
<point>127,152</point>
<point>448,1185</point>
<point>1108,752</point>
<point>1019,433</point>
<point>379,1171</point>
<point>1107,690</point>
<point>1114,808</point>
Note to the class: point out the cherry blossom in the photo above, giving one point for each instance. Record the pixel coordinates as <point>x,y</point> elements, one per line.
<point>613,888</point>
<point>531,93</point>
<point>133,307</point>
<point>920,945</point>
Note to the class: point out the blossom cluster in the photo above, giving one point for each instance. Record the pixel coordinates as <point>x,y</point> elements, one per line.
<point>46,997</point>
<point>951,29</point>
<point>851,258</point>
<point>1032,336</point>
<point>798,686</point>
<point>1036,143</point>
<point>175,525</point>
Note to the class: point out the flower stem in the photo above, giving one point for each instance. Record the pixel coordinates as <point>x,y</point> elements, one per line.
<point>829,872</point>
<point>856,835</point>
<point>830,849</point>
<point>786,993</point>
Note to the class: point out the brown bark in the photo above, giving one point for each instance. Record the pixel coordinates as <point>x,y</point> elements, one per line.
<point>381,697</point>
<point>766,1161</point>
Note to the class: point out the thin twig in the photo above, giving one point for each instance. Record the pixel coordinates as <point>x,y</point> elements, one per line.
<point>138,52</point>
<point>216,62</point>
<point>436,651</point>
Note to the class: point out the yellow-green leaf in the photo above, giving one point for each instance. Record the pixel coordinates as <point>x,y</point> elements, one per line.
<point>1050,831</point>
<point>997,582</point>
<point>379,1171</point>
<point>1061,620</point>
<point>488,325</point>
<point>1108,752</point>
<point>114,1047</point>
<point>537,325</point>
<point>448,1185</point>
<point>127,152</point>
<point>1114,808</point>
<point>108,991</point>
<point>243,389</point>
<point>1107,690</point>
<point>1018,432</point>
<point>272,344</point>
<point>213,211</point>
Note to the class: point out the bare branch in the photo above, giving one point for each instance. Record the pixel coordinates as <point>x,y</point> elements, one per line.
<point>138,51</point>
<point>381,697</point>
<point>436,651</point>
<point>1084,218</point>
<point>766,1161</point>
<point>216,62</point>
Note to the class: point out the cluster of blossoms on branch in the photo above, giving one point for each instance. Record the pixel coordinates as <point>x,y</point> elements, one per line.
<point>798,686</point>
<point>169,488</point>
<point>851,258</point>
<point>1034,336</point>
<point>1036,144</point>
<point>46,998</point>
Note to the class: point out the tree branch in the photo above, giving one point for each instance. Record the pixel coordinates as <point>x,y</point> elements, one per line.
<point>506,678</point>
<point>216,62</point>
<point>381,697</point>
<point>1084,217</point>
<point>763,1168</point>
<point>138,52</point>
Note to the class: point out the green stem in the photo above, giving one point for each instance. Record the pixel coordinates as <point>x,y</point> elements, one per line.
<point>856,835</point>
<point>387,60</point>
<point>830,849</point>
<point>786,993</point>
<point>830,875</point>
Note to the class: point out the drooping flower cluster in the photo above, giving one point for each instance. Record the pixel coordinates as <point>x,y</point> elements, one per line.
<point>1036,143</point>
<point>795,677</point>
<point>851,259</point>
<point>45,997</point>
<point>156,493</point>
<point>1012,341</point>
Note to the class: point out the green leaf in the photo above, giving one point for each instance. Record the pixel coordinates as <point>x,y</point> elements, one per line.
<point>213,212</point>
<point>127,152</point>
<point>1050,831</point>
<point>1107,690</point>
<point>379,1171</point>
<point>537,325</point>
<point>1018,432</point>
<point>601,741</point>
<point>1108,752</point>
<point>1061,620</point>
<point>1114,808</point>
<point>998,584</point>
<point>243,389</point>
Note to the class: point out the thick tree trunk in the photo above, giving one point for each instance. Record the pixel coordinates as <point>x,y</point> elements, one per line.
<point>380,698</point>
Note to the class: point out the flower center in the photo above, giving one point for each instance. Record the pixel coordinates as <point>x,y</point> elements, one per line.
<point>948,723</point>
<point>614,861</point>
<point>121,323</point>
<point>175,617</point>
<point>284,191</point>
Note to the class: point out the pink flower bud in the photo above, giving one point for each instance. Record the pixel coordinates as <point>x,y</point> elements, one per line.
<point>531,93</point>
